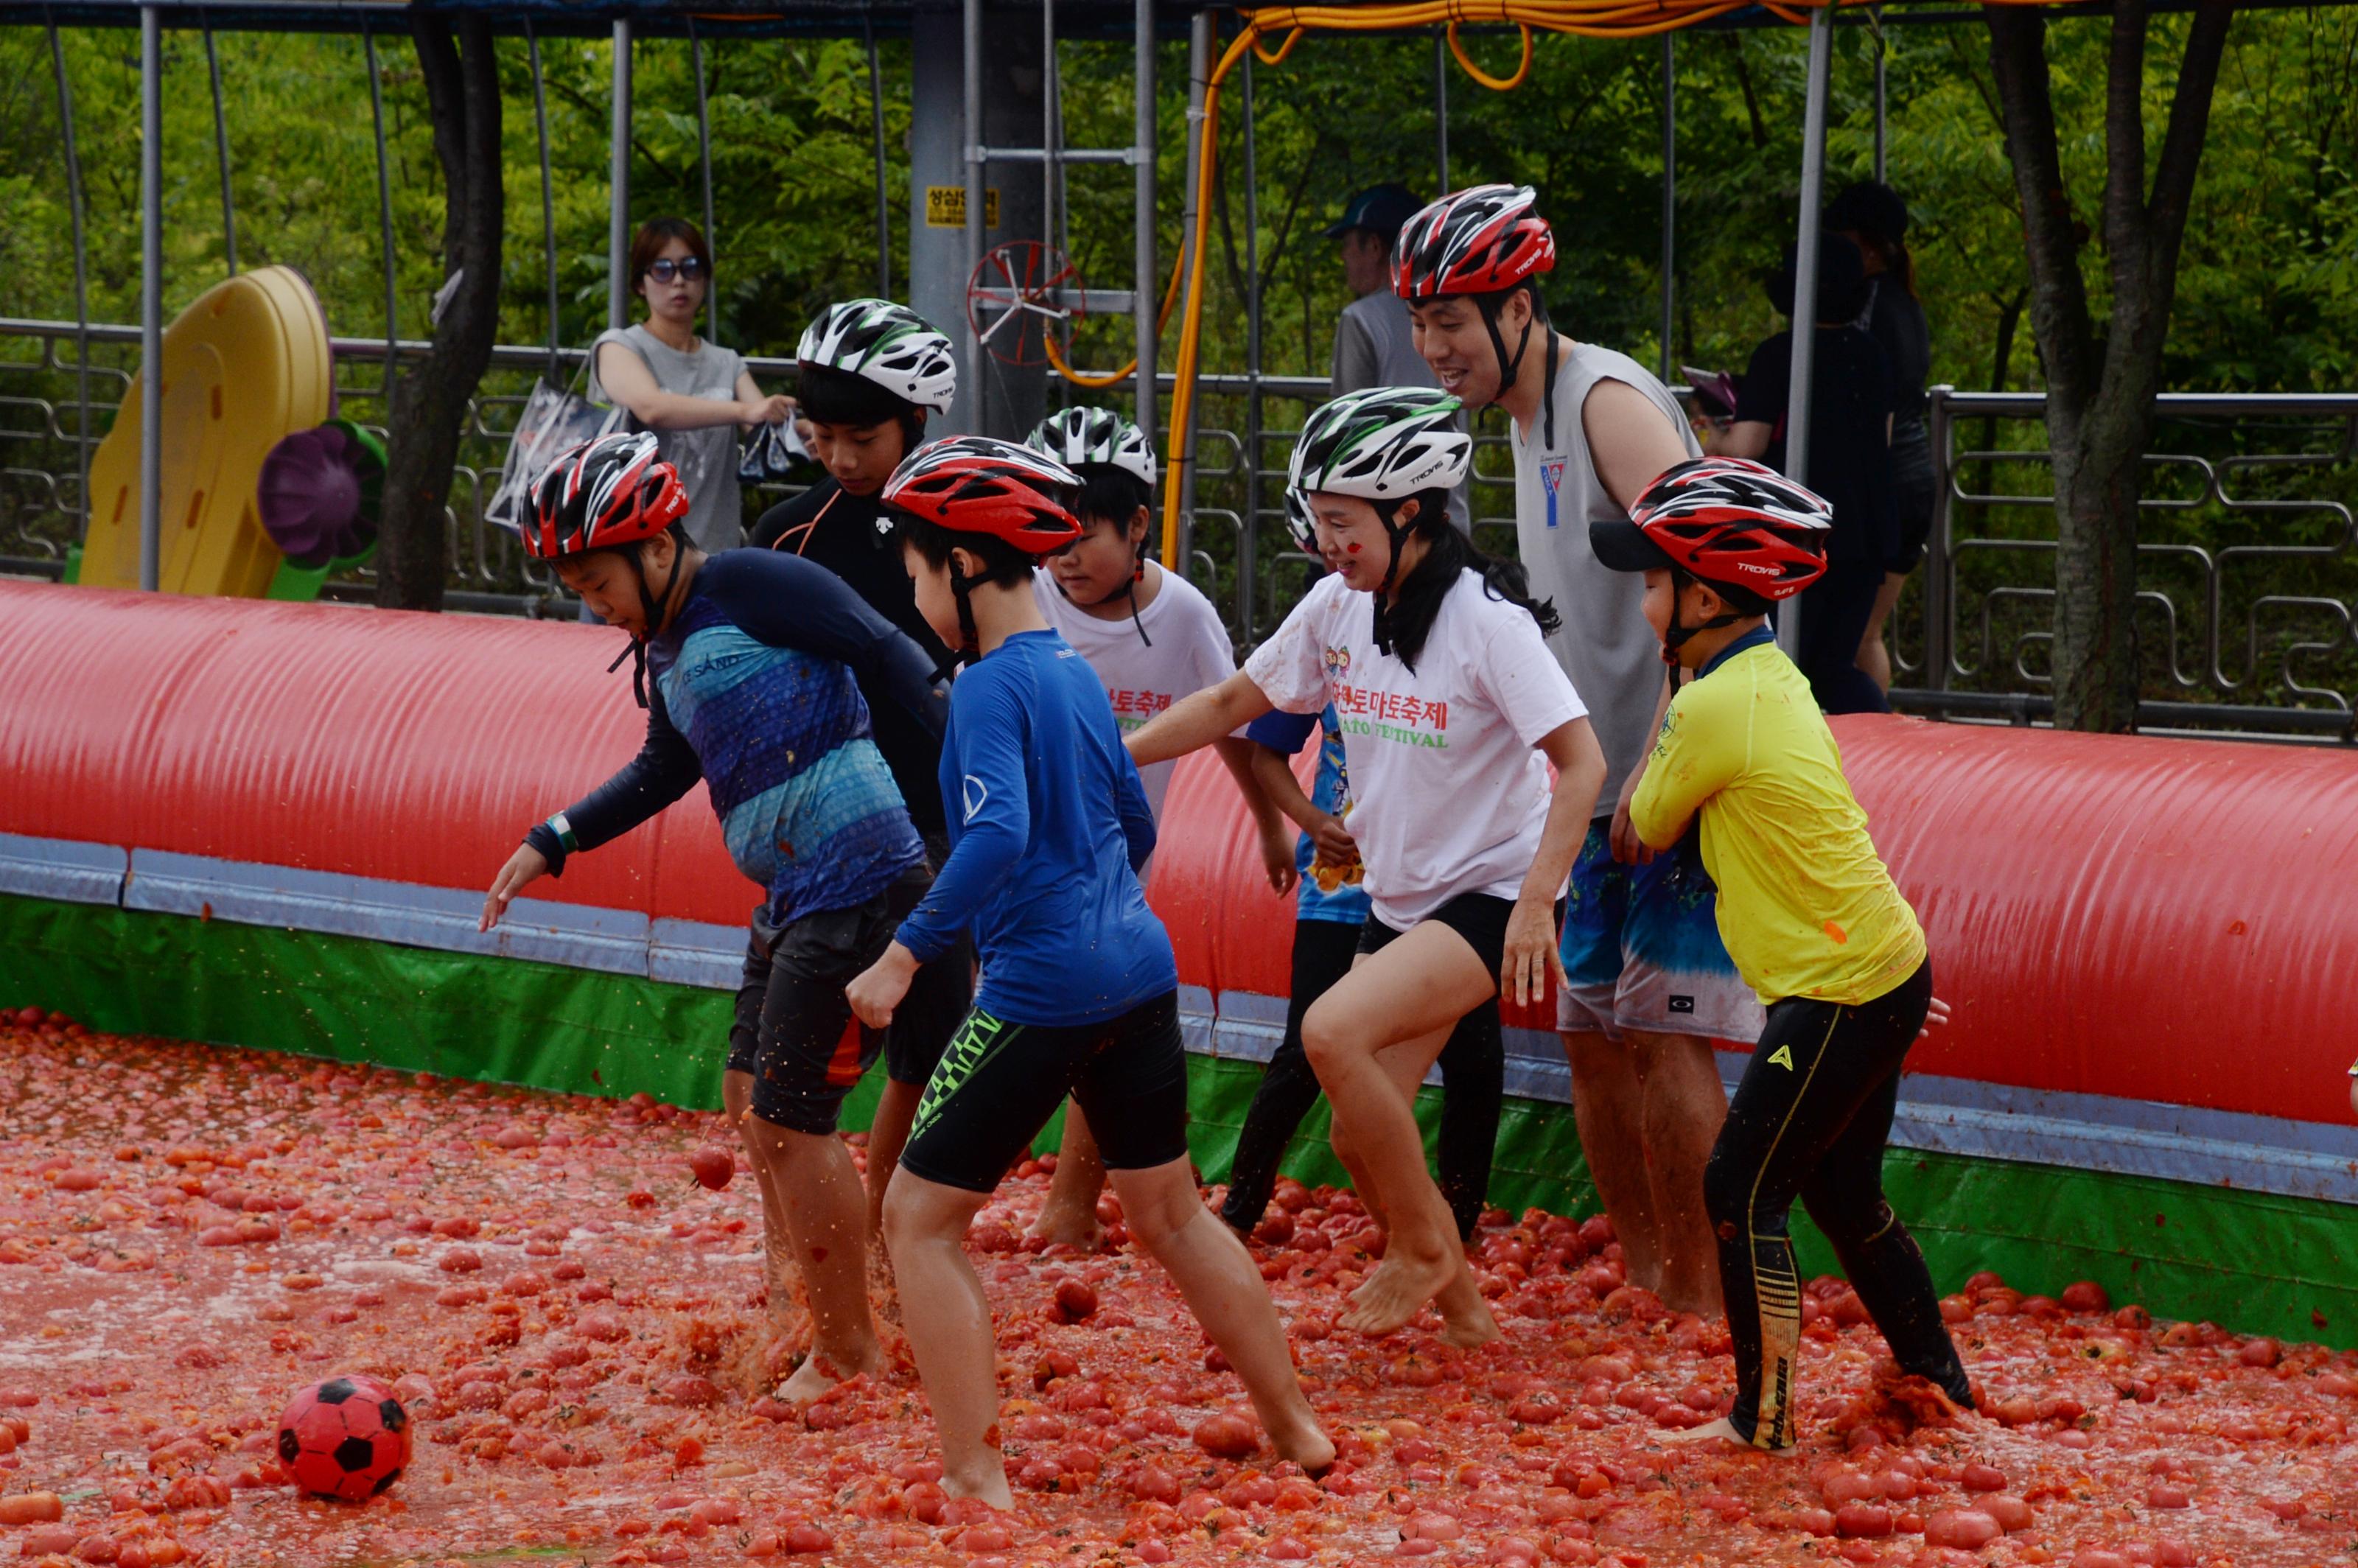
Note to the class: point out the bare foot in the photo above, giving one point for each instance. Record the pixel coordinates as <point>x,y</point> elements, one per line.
<point>990,1485</point>
<point>1392,1294</point>
<point>1305,1444</point>
<point>1720,1431</point>
<point>1466,1320</point>
<point>818,1373</point>
<point>1069,1227</point>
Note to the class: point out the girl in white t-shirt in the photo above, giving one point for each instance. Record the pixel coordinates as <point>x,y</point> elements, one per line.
<point>1451,709</point>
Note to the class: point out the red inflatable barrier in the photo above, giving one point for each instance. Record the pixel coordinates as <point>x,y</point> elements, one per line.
<point>2148,919</point>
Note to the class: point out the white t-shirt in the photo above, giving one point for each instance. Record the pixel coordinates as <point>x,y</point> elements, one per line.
<point>1448,795</point>
<point>1191,651</point>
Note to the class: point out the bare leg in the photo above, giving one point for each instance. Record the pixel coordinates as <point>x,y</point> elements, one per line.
<point>1608,1107</point>
<point>1225,1291</point>
<point>1070,1215</point>
<point>888,1134</point>
<point>1415,990</point>
<point>825,1217</point>
<point>949,1323</point>
<point>1873,656</point>
<point>777,1242</point>
<point>1685,1104</point>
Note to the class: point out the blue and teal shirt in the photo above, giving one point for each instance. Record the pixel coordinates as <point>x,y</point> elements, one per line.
<point>1324,893</point>
<point>762,687</point>
<point>1048,824</point>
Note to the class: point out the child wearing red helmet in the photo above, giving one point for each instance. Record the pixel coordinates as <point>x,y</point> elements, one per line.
<point>1812,918</point>
<point>764,675</point>
<point>1048,823</point>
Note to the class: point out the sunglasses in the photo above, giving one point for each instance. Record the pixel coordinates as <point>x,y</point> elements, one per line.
<point>691,268</point>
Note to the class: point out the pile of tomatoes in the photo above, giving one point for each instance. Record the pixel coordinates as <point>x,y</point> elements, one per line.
<point>581,1330</point>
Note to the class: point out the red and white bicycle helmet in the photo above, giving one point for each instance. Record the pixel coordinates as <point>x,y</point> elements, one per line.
<point>1729,522</point>
<point>1487,243</point>
<point>976,484</point>
<point>604,493</point>
<point>1477,240</point>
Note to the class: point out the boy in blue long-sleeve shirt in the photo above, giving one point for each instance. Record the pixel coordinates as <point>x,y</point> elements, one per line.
<point>1048,823</point>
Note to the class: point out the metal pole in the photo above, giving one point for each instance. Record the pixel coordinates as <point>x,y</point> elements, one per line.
<point>151,297</point>
<point>1051,145</point>
<point>975,198</point>
<point>82,278</point>
<point>1882,92</point>
<point>221,148</point>
<point>618,185</point>
<point>1200,70</point>
<point>1940,640</point>
<point>1669,193</point>
<point>1248,543</point>
<point>704,161</point>
<point>1142,148</point>
<point>548,197</point>
<point>383,210</point>
<point>1805,277</point>
<point>1440,112</point>
<point>876,125</point>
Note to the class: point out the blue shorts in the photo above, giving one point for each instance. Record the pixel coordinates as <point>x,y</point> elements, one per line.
<point>1642,950</point>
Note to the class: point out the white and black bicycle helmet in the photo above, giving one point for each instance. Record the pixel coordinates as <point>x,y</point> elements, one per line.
<point>1078,436</point>
<point>887,343</point>
<point>1383,446</point>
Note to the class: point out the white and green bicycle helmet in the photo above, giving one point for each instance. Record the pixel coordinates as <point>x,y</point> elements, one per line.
<point>1078,436</point>
<point>887,343</point>
<point>1382,445</point>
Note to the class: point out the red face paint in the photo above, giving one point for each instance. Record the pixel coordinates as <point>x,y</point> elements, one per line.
<point>1351,550</point>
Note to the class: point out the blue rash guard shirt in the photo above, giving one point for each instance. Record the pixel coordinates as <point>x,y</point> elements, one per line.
<point>757,689</point>
<point>1048,824</point>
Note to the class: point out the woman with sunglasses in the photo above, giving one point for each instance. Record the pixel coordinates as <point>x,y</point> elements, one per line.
<point>693,394</point>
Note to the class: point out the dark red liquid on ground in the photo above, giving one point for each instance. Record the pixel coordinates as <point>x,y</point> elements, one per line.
<point>187,1235</point>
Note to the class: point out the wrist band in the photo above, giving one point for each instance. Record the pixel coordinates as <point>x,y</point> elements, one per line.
<point>564,831</point>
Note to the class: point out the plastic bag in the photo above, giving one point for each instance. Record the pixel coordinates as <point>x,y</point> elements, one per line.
<point>554,419</point>
<point>771,454</point>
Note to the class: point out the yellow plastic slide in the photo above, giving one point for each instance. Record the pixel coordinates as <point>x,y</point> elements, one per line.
<point>244,365</point>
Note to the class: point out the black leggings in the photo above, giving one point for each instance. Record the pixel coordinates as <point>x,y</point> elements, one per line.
<point>1809,1120</point>
<point>1472,1067</point>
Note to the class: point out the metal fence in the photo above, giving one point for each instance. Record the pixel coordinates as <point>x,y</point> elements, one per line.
<point>2248,570</point>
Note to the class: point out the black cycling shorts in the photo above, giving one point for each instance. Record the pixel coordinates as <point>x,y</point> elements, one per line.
<point>999,1082</point>
<point>793,1030</point>
<point>1480,917</point>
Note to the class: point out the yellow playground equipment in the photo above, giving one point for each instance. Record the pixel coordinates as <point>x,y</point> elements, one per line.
<point>246,365</point>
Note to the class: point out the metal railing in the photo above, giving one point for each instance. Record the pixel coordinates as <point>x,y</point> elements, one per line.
<point>2248,571</point>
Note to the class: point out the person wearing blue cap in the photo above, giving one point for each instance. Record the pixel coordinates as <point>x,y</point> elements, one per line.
<point>1375,345</point>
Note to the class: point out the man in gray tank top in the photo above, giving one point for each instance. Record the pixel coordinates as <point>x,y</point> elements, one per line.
<point>1651,983</point>
<point>1375,345</point>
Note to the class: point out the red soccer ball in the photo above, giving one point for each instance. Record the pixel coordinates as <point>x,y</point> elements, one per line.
<point>347,1438</point>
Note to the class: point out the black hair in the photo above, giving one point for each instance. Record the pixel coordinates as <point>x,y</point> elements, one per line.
<point>834,396</point>
<point>1448,554</point>
<point>1109,495</point>
<point>1003,563</point>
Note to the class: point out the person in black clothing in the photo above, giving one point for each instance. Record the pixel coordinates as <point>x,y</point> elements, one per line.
<point>870,370</point>
<point>1850,465</point>
<point>1875,219</point>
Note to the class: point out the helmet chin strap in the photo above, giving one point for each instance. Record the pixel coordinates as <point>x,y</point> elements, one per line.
<point>1393,533</point>
<point>969,639</point>
<point>1128,590</point>
<point>1510,366</point>
<point>1679,633</point>
<point>637,651</point>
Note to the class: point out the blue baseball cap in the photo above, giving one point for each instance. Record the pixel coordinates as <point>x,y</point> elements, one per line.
<point>1381,210</point>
